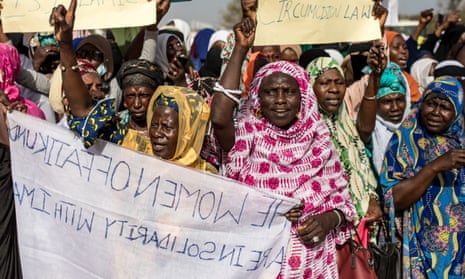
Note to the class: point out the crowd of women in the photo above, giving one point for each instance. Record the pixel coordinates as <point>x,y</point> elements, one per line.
<point>362,133</point>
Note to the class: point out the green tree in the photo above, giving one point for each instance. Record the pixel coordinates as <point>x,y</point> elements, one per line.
<point>232,14</point>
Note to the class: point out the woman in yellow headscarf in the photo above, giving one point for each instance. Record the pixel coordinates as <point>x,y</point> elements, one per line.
<point>177,119</point>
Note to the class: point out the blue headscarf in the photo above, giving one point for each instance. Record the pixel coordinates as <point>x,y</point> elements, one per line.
<point>439,210</point>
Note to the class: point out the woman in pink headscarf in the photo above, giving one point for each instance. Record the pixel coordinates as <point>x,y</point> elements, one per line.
<point>281,144</point>
<point>9,69</point>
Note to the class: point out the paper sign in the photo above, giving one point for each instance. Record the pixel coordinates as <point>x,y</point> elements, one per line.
<point>109,212</point>
<point>315,22</point>
<point>33,15</point>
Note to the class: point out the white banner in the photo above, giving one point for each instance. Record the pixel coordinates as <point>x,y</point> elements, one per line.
<point>109,212</point>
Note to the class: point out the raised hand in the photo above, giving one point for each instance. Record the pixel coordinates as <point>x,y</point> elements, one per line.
<point>63,21</point>
<point>245,33</point>
<point>377,58</point>
<point>426,16</point>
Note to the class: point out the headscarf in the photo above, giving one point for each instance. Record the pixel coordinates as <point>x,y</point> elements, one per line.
<point>102,44</point>
<point>414,90</point>
<point>193,119</point>
<point>320,65</point>
<point>311,54</point>
<point>335,54</point>
<point>420,72</point>
<point>296,48</point>
<point>199,48</point>
<point>344,134</point>
<point>9,69</point>
<point>212,65</point>
<point>220,35</point>
<point>161,57</point>
<point>390,36</point>
<point>184,28</point>
<point>298,162</point>
<point>139,72</point>
<point>449,68</point>
<point>439,210</point>
<point>392,81</point>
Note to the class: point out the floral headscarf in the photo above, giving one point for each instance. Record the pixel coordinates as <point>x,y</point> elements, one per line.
<point>320,65</point>
<point>9,69</point>
<point>193,119</point>
<point>299,162</point>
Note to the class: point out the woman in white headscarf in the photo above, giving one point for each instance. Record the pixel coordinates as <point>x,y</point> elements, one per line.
<point>423,71</point>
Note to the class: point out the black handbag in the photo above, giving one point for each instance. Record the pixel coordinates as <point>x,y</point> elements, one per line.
<point>386,257</point>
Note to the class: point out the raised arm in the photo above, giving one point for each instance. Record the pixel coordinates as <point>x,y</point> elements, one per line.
<point>366,117</point>
<point>80,101</point>
<point>425,17</point>
<point>222,107</point>
<point>145,43</point>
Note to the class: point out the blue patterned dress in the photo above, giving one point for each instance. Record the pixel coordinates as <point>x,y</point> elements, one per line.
<point>433,244</point>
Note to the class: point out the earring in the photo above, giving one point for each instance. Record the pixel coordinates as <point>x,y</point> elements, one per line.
<point>298,115</point>
<point>258,113</point>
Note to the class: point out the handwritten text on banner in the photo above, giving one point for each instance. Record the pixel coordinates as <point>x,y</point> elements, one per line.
<point>109,212</point>
<point>315,21</point>
<point>33,15</point>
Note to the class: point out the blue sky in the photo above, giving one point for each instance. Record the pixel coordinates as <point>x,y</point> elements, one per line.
<point>209,11</point>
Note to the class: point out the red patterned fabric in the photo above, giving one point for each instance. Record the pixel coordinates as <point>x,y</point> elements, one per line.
<point>300,162</point>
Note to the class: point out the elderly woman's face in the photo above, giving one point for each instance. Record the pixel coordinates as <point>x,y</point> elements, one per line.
<point>163,131</point>
<point>391,107</point>
<point>136,100</point>
<point>437,113</point>
<point>279,97</point>
<point>330,89</point>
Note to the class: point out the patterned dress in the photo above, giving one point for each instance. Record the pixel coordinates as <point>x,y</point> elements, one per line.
<point>300,162</point>
<point>433,244</point>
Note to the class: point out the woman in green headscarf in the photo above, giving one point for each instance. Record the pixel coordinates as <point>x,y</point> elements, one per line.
<point>328,82</point>
<point>389,107</point>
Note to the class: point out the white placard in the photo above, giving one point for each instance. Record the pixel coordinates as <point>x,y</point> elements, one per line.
<point>109,212</point>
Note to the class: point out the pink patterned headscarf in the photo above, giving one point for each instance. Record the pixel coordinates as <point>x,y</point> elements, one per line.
<point>300,162</point>
<point>9,69</point>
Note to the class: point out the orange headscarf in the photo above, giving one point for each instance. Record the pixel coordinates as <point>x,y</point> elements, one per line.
<point>415,93</point>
